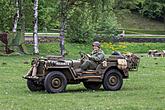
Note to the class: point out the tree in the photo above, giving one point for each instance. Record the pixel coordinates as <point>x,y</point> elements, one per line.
<point>126,4</point>
<point>35,33</point>
<point>87,18</point>
<point>16,17</point>
<point>63,23</point>
<point>6,15</point>
<point>17,34</point>
<point>13,25</point>
<point>49,13</point>
<point>79,20</point>
<point>154,9</point>
<point>163,12</point>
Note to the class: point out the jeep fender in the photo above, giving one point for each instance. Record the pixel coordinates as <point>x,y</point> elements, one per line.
<point>67,71</point>
<point>124,72</point>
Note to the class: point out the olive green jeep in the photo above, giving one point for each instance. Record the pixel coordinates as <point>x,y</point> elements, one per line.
<point>54,73</point>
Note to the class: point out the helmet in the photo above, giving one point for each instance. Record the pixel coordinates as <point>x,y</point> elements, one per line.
<point>96,43</point>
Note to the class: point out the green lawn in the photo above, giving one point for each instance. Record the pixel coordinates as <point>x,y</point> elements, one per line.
<point>144,90</point>
<point>136,24</point>
<point>72,49</point>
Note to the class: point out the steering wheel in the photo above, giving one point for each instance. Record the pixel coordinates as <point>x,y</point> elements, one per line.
<point>84,56</point>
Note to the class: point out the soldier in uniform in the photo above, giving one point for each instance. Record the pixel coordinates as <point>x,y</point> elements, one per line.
<point>95,58</point>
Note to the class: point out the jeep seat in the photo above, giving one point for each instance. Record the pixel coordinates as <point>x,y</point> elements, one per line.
<point>102,65</point>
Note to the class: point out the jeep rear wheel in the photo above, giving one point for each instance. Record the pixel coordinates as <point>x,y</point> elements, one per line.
<point>92,85</point>
<point>34,86</point>
<point>55,82</point>
<point>113,80</point>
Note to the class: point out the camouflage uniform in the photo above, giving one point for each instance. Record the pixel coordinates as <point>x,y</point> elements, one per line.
<point>96,58</point>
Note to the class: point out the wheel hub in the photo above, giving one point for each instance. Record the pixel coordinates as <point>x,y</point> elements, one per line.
<point>113,80</point>
<point>56,83</point>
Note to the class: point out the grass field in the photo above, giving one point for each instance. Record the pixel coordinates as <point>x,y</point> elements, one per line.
<point>73,49</point>
<point>136,24</point>
<point>144,90</point>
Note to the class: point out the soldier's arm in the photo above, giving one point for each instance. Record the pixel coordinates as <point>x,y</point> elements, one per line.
<point>97,58</point>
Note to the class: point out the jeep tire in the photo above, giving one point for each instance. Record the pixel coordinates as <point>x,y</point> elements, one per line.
<point>55,82</point>
<point>34,86</point>
<point>113,80</point>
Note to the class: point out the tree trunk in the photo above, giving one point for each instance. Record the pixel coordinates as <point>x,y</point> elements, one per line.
<point>18,27</point>
<point>16,17</point>
<point>62,28</point>
<point>22,22</point>
<point>164,21</point>
<point>35,33</point>
<point>22,17</point>
<point>62,39</point>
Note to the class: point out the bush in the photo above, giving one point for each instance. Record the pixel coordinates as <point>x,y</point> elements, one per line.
<point>154,10</point>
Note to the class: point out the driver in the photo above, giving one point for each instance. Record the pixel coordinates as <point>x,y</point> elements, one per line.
<point>95,58</point>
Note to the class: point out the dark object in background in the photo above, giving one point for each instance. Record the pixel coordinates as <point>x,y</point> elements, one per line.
<point>156,53</point>
<point>4,40</point>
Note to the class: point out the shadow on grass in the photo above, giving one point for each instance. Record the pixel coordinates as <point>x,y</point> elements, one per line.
<point>81,90</point>
<point>84,90</point>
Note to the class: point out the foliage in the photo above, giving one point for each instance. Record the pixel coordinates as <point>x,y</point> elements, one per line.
<point>83,18</point>
<point>114,47</point>
<point>127,4</point>
<point>89,18</point>
<point>48,14</point>
<point>7,11</point>
<point>107,27</point>
<point>28,7</point>
<point>154,9</point>
<point>86,19</point>
<point>79,25</point>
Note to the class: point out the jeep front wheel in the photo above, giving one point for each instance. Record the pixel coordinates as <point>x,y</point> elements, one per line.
<point>55,82</point>
<point>34,86</point>
<point>92,85</point>
<point>113,80</point>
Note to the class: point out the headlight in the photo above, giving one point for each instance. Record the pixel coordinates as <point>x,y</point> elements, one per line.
<point>122,63</point>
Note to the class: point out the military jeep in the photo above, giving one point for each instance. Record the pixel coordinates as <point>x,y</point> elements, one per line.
<point>53,73</point>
